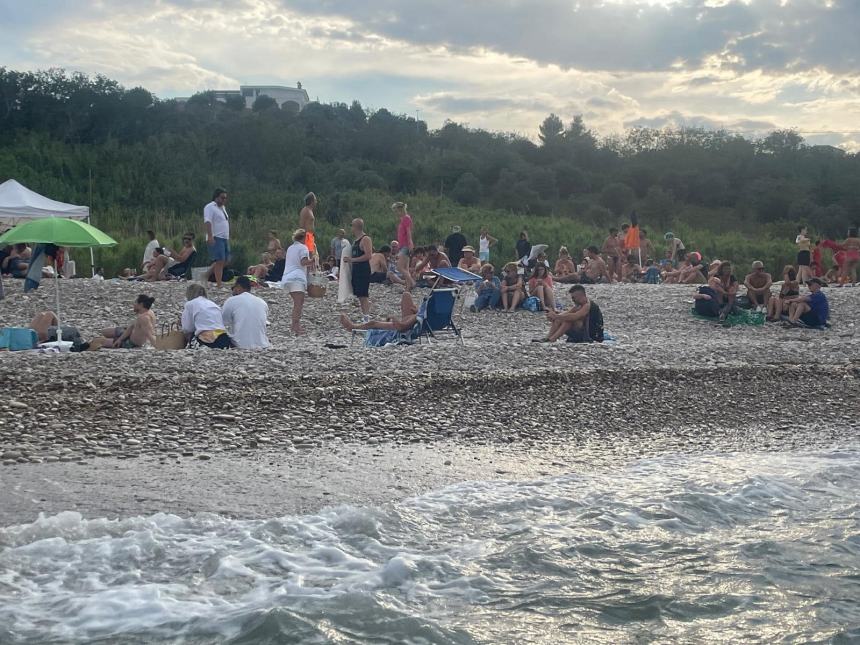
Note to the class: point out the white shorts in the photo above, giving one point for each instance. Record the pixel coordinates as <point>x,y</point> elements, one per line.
<point>295,287</point>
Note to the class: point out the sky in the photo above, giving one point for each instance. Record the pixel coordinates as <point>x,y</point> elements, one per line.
<point>748,66</point>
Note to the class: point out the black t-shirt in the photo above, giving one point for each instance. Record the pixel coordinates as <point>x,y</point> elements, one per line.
<point>455,243</point>
<point>277,271</point>
<point>524,247</point>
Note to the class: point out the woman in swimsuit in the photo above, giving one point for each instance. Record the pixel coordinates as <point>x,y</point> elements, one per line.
<point>777,305</point>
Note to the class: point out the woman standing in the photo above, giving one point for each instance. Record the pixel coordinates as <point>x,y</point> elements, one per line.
<point>359,259</point>
<point>295,278</point>
<point>804,258</point>
<point>485,241</point>
<point>404,236</point>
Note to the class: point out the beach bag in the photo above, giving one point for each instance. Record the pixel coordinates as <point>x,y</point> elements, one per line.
<point>317,285</point>
<point>171,338</point>
<point>14,339</point>
<point>532,304</point>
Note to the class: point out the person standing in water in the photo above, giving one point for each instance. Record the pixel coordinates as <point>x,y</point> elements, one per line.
<point>307,222</point>
<point>804,257</point>
<point>359,258</point>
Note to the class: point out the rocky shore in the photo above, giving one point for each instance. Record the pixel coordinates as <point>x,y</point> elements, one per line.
<point>667,376</point>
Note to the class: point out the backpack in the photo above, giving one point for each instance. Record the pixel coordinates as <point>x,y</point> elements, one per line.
<point>595,323</point>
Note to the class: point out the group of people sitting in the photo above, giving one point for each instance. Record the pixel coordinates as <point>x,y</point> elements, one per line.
<point>160,263</point>
<point>719,298</point>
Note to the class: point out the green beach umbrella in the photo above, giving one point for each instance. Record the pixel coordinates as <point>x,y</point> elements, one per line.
<point>59,231</point>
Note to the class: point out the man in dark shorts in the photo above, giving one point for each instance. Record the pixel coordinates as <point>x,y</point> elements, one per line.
<point>359,258</point>
<point>582,323</point>
<point>812,310</point>
<point>379,265</point>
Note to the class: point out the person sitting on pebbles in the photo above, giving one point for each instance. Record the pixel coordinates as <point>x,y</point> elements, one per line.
<point>488,291</point>
<point>157,267</point>
<point>140,332</point>
<point>595,269</point>
<point>540,286</point>
<point>513,290</point>
<point>758,285</point>
<point>812,310</point>
<point>564,266</point>
<point>202,319</point>
<point>407,320</point>
<point>581,323</point>
<point>469,261</point>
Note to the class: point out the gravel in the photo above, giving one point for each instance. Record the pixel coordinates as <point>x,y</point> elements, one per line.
<point>665,371</point>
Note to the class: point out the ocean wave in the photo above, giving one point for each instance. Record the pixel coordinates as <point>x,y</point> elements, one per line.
<point>712,547</point>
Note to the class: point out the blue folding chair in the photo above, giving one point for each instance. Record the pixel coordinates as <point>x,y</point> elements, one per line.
<point>439,305</point>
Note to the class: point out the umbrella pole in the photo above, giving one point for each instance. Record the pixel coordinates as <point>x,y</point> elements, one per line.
<point>57,292</point>
<point>2,293</point>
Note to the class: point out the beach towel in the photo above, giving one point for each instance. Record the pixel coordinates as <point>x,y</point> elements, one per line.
<point>742,317</point>
<point>344,282</point>
<point>14,339</point>
<point>34,273</point>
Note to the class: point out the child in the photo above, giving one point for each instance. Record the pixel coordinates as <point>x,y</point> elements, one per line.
<point>652,273</point>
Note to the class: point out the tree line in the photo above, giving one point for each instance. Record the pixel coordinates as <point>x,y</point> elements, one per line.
<point>59,131</point>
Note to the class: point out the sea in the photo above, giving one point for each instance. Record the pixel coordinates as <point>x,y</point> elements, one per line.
<point>719,547</point>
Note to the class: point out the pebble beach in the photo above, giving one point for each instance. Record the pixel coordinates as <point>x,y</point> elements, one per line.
<point>664,369</point>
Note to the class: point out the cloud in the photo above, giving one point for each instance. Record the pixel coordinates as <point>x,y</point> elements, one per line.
<point>497,64</point>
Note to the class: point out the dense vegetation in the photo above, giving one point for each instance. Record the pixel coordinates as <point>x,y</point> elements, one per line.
<point>141,161</point>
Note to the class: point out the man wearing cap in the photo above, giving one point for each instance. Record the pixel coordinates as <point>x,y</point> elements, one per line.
<point>758,286</point>
<point>812,309</point>
<point>454,244</point>
<point>469,262</point>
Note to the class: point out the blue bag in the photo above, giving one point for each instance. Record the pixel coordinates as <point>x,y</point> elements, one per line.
<point>15,339</point>
<point>532,304</point>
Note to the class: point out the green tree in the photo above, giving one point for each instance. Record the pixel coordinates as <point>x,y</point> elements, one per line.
<point>263,103</point>
<point>617,197</point>
<point>551,130</point>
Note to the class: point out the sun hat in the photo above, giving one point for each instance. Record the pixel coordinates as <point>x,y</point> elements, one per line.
<point>468,248</point>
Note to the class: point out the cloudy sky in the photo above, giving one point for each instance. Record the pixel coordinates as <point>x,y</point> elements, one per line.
<point>744,65</point>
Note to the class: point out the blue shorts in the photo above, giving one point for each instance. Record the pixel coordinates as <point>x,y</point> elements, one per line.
<point>484,256</point>
<point>219,250</point>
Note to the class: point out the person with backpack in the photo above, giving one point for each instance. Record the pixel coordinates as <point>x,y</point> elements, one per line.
<point>581,323</point>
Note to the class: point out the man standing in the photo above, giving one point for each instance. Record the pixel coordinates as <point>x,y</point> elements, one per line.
<point>524,247</point>
<point>582,323</point>
<point>307,221</point>
<point>336,248</point>
<point>359,258</point>
<point>454,244</point>
<point>217,225</point>
<point>612,253</point>
<point>758,286</point>
<point>245,316</point>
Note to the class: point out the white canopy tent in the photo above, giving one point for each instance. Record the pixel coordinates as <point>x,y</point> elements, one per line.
<point>19,204</point>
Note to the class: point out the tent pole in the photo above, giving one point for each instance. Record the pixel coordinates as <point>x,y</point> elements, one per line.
<point>92,256</point>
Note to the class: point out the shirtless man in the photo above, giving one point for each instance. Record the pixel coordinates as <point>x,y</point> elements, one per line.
<point>407,320</point>
<point>379,265</point>
<point>307,221</point>
<point>612,251</point>
<point>574,323</point>
<point>140,332</point>
<point>595,269</point>
<point>758,286</point>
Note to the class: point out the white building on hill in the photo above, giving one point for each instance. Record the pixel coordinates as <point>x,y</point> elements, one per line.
<point>295,98</point>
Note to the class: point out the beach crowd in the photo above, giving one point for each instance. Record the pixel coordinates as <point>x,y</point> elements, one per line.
<point>306,265</point>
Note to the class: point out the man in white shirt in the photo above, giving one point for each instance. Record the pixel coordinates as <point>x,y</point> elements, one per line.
<point>202,318</point>
<point>245,316</point>
<point>217,225</point>
<point>149,251</point>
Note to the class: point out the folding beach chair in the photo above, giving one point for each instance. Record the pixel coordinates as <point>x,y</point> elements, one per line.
<point>438,307</point>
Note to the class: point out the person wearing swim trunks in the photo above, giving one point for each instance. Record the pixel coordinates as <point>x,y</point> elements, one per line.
<point>804,260</point>
<point>140,332</point>
<point>307,221</point>
<point>359,258</point>
<point>758,285</point>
